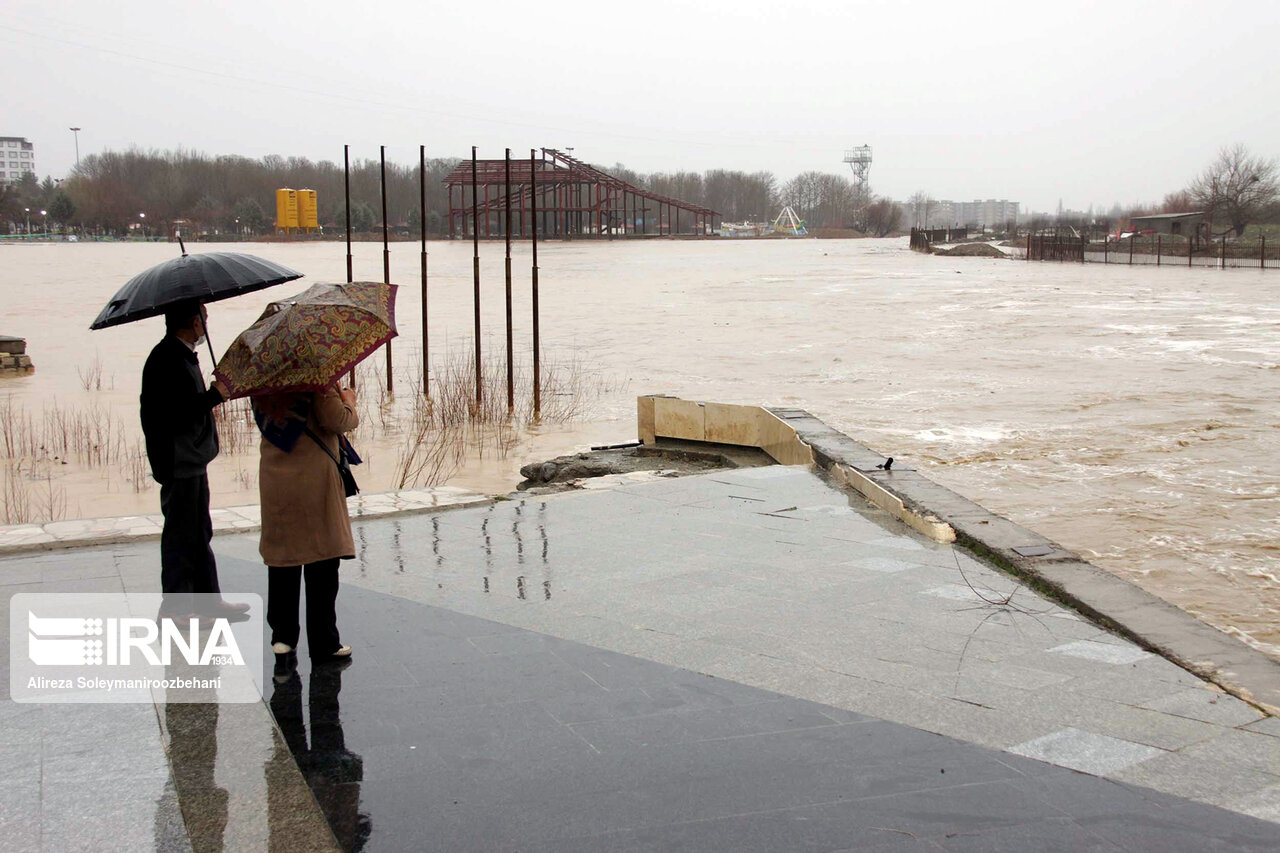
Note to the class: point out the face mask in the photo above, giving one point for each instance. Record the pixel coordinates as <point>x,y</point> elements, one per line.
<point>200,341</point>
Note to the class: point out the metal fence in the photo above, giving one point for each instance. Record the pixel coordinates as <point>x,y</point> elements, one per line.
<point>1155,250</point>
<point>923,238</point>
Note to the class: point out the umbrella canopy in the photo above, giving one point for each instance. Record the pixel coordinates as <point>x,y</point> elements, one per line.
<point>206,277</point>
<point>308,342</point>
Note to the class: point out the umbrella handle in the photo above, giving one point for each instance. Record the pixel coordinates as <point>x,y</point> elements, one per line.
<point>209,344</point>
<point>182,245</point>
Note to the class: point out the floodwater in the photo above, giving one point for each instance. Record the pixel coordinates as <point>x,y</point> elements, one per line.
<point>1126,412</point>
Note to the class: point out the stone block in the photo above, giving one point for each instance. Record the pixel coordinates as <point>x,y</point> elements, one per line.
<point>675,418</point>
<point>15,363</point>
<point>645,420</point>
<point>780,440</point>
<point>728,424</point>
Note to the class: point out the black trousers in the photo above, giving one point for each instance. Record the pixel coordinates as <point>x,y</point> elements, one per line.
<point>284,588</point>
<point>187,564</point>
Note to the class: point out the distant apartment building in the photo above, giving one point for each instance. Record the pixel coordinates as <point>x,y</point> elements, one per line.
<point>17,158</point>
<point>954,214</point>
<point>978,213</point>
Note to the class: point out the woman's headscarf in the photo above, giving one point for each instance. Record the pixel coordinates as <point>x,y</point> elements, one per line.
<point>282,418</point>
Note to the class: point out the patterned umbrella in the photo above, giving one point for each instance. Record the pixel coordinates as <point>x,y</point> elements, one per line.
<point>308,342</point>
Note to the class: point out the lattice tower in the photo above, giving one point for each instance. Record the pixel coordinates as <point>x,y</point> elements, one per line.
<point>859,159</point>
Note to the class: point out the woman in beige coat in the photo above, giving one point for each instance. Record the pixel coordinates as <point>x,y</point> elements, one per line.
<point>305,526</point>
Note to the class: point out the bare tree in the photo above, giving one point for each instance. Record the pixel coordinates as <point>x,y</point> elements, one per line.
<point>110,188</point>
<point>882,217</point>
<point>825,200</point>
<point>1237,187</point>
<point>804,193</point>
<point>921,205</point>
<point>1178,202</point>
<point>738,195</point>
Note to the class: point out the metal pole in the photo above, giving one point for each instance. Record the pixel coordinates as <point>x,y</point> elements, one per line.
<point>422,215</point>
<point>386,252</point>
<point>511,369</point>
<point>1223,255</point>
<point>346,182</point>
<point>1132,237</point>
<point>537,363</point>
<point>1159,246</point>
<point>475,269</point>
<point>1262,253</point>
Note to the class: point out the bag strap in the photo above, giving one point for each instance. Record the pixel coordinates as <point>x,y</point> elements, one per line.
<point>323,446</point>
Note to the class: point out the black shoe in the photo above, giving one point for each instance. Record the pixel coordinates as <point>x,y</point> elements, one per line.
<point>227,610</point>
<point>224,607</point>
<point>342,655</point>
<point>286,660</point>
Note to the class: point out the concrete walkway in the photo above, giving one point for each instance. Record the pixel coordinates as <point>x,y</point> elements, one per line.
<point>746,660</point>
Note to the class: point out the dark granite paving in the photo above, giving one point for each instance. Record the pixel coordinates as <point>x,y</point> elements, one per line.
<point>454,733</point>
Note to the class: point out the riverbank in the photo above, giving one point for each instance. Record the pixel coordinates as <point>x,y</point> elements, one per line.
<point>722,627</point>
<point>1122,412</point>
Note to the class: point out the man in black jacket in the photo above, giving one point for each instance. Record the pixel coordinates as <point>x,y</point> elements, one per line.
<point>177,420</point>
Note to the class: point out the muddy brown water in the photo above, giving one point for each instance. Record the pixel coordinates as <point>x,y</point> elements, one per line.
<point>1127,412</point>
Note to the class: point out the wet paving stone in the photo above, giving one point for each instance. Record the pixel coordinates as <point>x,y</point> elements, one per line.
<point>533,743</point>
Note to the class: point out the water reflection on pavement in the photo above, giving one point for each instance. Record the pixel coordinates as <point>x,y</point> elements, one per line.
<point>332,771</point>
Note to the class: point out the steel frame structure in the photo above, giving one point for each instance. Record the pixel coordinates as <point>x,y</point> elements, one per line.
<point>573,199</point>
<point>859,160</point>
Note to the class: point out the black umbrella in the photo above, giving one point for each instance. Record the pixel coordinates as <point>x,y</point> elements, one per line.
<point>205,277</point>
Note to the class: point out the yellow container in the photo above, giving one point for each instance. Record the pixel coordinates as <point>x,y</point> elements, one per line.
<point>286,209</point>
<point>308,217</point>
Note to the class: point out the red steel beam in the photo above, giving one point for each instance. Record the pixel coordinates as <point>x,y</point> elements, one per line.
<point>565,178</point>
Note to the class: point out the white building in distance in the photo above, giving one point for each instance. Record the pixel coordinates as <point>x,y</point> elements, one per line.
<point>976,213</point>
<point>17,158</point>
<point>932,213</point>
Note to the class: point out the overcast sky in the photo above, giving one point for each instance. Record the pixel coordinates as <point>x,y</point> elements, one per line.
<point>1090,103</point>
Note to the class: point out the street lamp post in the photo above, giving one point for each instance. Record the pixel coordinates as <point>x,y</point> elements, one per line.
<point>27,211</point>
<point>76,132</point>
<point>142,224</point>
<point>45,225</point>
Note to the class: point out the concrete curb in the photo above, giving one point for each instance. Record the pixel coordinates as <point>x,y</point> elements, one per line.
<point>1130,611</point>
<point>82,533</point>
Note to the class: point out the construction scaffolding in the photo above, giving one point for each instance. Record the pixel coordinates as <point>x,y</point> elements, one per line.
<point>573,199</point>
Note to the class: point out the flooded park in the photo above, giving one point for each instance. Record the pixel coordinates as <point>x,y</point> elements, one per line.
<point>1126,412</point>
